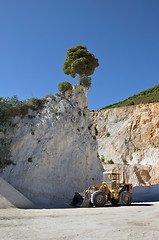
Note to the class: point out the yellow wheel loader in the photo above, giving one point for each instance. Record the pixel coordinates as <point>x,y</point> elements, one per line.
<point>110,190</point>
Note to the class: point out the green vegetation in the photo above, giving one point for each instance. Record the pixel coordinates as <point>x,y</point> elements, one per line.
<point>55,110</point>
<point>107,134</point>
<point>64,86</point>
<point>80,62</point>
<point>102,159</point>
<point>125,161</point>
<point>147,96</point>
<point>49,95</point>
<point>11,107</point>
<point>110,161</point>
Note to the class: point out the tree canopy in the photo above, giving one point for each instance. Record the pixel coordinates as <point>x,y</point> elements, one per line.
<point>79,61</point>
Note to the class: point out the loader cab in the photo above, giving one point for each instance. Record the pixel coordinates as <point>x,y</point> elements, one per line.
<point>112,180</point>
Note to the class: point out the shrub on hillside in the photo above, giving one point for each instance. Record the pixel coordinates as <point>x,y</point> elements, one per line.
<point>110,161</point>
<point>148,96</point>
<point>102,159</point>
<point>11,107</point>
<point>107,134</point>
<point>125,161</point>
<point>64,86</point>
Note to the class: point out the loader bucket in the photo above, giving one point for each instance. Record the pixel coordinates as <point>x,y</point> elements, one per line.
<point>79,201</point>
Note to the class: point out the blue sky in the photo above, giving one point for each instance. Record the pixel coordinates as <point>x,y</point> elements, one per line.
<point>36,34</point>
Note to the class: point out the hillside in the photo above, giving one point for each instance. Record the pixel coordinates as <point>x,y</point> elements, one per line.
<point>148,96</point>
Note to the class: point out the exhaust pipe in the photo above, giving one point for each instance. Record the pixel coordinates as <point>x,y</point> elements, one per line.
<point>123,177</point>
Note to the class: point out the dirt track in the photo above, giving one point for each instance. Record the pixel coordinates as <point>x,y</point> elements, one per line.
<point>139,221</point>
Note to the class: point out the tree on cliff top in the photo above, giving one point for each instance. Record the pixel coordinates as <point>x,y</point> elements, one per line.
<point>80,62</point>
<point>64,86</point>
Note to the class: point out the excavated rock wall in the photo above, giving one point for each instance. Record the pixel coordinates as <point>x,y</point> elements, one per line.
<point>54,151</point>
<point>137,174</point>
<point>145,179</point>
<point>129,133</point>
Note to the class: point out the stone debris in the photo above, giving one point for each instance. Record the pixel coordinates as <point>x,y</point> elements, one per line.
<point>10,197</point>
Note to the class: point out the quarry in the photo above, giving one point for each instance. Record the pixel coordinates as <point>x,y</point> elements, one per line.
<point>55,151</point>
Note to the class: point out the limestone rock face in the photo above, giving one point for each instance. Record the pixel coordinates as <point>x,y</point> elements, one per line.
<point>54,151</point>
<point>145,180</point>
<point>136,174</point>
<point>129,133</point>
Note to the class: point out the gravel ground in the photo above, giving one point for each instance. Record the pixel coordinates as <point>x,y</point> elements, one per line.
<point>139,221</point>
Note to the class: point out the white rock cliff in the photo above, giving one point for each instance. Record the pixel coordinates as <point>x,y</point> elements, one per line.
<point>54,151</point>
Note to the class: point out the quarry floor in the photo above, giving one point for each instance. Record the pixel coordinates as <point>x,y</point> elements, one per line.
<point>139,221</point>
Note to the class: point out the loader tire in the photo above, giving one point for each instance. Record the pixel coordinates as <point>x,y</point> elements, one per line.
<point>125,198</point>
<point>99,199</point>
